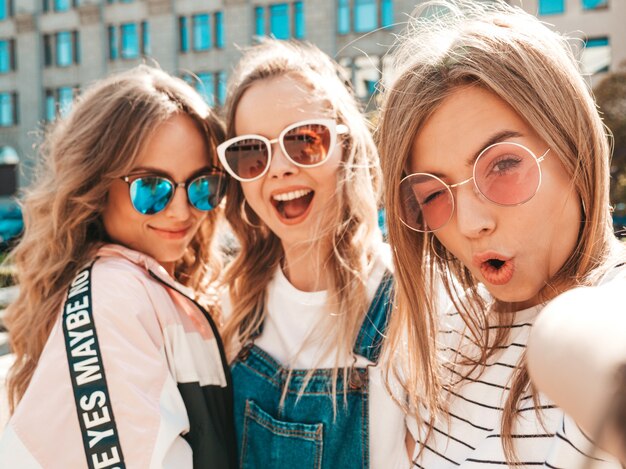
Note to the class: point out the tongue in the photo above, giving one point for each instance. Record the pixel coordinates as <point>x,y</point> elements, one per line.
<point>296,207</point>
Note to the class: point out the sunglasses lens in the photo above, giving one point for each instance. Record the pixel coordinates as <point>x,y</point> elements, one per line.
<point>426,202</point>
<point>150,195</point>
<point>247,158</point>
<point>206,192</point>
<point>507,174</point>
<point>307,144</point>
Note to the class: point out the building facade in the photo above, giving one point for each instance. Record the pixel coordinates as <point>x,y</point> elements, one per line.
<point>597,28</point>
<point>51,49</point>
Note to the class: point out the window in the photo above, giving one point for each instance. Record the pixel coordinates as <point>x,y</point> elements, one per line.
<point>365,15</point>
<point>259,21</point>
<point>64,50</point>
<point>285,20</point>
<point>594,4</point>
<point>201,33</point>
<point>343,17</point>
<point>298,13</point>
<point>221,88</point>
<point>210,85</point>
<point>596,56</point>
<point>183,34</point>
<point>130,41</point>
<point>146,47</point>
<point>219,29</point>
<point>114,52</point>
<point>386,13</point>
<point>59,5</point>
<point>7,55</point>
<point>551,7</point>
<point>8,109</point>
<point>6,9</point>
<point>206,87</point>
<point>58,102</point>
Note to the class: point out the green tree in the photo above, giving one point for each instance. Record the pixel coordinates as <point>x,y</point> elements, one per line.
<point>610,95</point>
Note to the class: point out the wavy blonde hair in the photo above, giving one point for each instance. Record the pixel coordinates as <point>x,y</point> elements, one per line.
<point>82,154</point>
<point>511,54</point>
<point>350,225</point>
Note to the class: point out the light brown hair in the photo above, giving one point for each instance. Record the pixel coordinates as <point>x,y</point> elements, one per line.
<point>511,54</point>
<point>82,154</point>
<point>349,227</point>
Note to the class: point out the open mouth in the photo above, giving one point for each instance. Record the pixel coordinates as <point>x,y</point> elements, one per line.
<point>497,271</point>
<point>294,204</point>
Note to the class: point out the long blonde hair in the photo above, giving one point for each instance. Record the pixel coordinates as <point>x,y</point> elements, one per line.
<point>351,225</point>
<point>511,54</point>
<point>80,157</point>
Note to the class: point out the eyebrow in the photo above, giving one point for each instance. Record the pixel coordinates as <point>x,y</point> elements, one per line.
<point>148,170</point>
<point>496,138</point>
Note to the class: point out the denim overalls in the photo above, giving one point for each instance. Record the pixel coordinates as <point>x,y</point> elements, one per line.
<point>304,432</point>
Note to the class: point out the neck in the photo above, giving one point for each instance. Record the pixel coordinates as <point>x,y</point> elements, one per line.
<point>303,267</point>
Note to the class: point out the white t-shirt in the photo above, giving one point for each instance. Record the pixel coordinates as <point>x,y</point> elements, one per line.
<point>289,336</point>
<point>471,437</point>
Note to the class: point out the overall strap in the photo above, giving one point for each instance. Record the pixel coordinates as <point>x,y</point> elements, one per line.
<point>91,394</point>
<point>369,341</point>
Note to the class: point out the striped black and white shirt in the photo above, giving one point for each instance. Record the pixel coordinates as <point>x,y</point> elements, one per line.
<point>471,437</point>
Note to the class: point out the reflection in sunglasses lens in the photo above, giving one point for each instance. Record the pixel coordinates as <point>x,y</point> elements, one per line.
<point>150,195</point>
<point>206,192</point>
<point>247,158</point>
<point>307,144</point>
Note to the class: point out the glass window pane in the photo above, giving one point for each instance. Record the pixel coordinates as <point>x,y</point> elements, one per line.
<point>298,20</point>
<point>113,50</point>
<point>593,4</point>
<point>365,15</point>
<point>64,49</point>
<point>6,110</point>
<point>3,9</point>
<point>221,88</point>
<point>279,21</point>
<point>5,56</point>
<point>386,18</point>
<point>130,41</point>
<point>219,29</point>
<point>343,16</point>
<point>206,87</point>
<point>259,21</point>
<point>201,36</point>
<point>62,5</point>
<point>146,48</point>
<point>551,7</point>
<point>183,31</point>
<point>596,56</point>
<point>51,106</point>
<point>66,95</point>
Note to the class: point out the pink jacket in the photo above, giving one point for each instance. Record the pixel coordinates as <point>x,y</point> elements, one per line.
<point>168,381</point>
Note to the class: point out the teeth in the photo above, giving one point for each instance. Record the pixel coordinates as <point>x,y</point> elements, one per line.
<point>291,195</point>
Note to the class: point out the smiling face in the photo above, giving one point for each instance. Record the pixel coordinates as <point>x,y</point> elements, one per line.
<point>176,149</point>
<point>289,199</point>
<point>512,250</point>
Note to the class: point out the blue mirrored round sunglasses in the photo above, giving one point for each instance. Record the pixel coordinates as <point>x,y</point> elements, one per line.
<point>151,194</point>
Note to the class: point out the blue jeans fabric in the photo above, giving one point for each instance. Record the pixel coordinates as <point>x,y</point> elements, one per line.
<point>307,431</point>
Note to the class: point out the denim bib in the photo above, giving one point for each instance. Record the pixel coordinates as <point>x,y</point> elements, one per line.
<point>305,431</point>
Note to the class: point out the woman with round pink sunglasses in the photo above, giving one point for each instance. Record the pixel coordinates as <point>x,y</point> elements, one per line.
<point>495,163</point>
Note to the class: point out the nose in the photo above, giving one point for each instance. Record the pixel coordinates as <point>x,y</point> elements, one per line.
<point>475,215</point>
<point>178,208</point>
<point>280,166</point>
